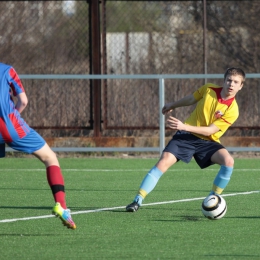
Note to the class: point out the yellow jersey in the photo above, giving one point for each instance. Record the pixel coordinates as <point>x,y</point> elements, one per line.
<point>212,109</point>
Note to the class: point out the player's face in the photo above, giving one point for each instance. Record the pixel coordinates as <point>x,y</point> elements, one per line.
<point>232,84</point>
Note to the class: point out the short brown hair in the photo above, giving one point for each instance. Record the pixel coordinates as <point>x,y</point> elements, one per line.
<point>235,71</point>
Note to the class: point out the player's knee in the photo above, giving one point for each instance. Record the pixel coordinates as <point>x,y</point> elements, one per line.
<point>229,161</point>
<point>52,159</point>
<point>49,159</point>
<point>166,161</point>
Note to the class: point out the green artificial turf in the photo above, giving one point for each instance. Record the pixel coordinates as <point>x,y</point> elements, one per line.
<point>97,191</point>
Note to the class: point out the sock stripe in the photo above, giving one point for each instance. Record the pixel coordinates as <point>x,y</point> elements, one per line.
<point>56,188</point>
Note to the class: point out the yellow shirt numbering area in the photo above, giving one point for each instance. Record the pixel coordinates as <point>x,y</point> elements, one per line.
<point>212,109</point>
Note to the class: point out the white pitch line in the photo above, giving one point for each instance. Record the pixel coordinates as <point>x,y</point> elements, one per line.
<point>122,207</point>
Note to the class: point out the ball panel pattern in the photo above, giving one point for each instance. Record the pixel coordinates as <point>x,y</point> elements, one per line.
<point>214,207</point>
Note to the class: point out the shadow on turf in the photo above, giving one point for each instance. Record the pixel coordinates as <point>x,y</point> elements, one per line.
<point>27,235</point>
<point>183,218</point>
<point>25,207</point>
<point>48,208</point>
<point>233,255</point>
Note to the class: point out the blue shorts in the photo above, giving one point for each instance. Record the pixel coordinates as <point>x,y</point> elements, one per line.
<point>28,144</point>
<point>185,145</point>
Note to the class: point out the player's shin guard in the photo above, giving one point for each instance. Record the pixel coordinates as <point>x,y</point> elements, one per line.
<point>222,179</point>
<point>148,184</point>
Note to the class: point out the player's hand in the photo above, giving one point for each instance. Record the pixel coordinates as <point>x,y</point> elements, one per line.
<point>175,123</point>
<point>167,109</point>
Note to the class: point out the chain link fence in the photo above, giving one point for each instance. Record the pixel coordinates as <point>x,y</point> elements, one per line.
<point>169,37</point>
<point>137,37</point>
<point>49,37</point>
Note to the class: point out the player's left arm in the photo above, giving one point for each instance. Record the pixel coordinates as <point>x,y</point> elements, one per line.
<point>17,90</point>
<point>22,102</point>
<point>176,124</point>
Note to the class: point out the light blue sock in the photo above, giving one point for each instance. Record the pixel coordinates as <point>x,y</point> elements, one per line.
<point>148,184</point>
<point>222,179</point>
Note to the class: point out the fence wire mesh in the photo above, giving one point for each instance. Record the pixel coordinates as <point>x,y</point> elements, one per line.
<point>137,37</point>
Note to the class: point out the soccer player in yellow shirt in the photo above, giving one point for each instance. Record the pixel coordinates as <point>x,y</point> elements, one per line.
<point>216,110</point>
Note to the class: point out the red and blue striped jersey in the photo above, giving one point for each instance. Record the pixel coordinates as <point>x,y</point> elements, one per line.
<point>12,125</point>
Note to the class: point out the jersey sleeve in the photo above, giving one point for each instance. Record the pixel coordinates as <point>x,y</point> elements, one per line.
<point>198,94</point>
<point>15,82</point>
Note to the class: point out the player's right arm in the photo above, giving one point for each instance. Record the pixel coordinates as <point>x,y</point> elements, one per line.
<point>176,124</point>
<point>186,101</point>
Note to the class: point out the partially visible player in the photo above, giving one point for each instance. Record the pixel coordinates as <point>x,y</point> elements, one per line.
<point>17,134</point>
<point>198,137</point>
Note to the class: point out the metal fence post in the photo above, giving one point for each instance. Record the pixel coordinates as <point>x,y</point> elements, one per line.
<point>162,118</point>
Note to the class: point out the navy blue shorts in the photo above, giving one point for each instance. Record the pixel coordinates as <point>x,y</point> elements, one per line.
<point>185,145</point>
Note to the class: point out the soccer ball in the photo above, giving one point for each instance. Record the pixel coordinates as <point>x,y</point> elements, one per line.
<point>214,207</point>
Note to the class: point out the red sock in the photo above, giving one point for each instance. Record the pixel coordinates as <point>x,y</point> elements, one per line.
<point>56,182</point>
